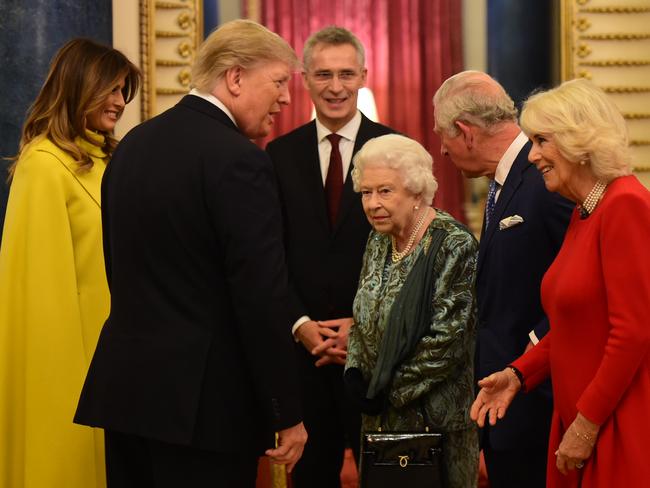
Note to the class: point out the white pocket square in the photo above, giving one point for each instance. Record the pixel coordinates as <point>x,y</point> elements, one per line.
<point>510,222</point>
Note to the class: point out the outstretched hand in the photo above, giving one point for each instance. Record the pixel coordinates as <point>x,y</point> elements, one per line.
<point>496,394</point>
<point>291,443</point>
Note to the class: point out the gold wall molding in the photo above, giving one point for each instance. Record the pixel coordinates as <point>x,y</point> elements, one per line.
<point>171,62</point>
<point>614,10</point>
<point>170,34</point>
<point>592,32</point>
<point>170,5</point>
<point>171,91</point>
<point>615,37</point>
<point>583,24</point>
<point>626,89</point>
<point>583,50</point>
<point>606,63</point>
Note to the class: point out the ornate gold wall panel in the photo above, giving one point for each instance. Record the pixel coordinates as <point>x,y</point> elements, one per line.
<point>608,42</point>
<point>170,33</point>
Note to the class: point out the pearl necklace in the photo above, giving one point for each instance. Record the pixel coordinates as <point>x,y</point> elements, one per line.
<point>398,256</point>
<point>588,206</point>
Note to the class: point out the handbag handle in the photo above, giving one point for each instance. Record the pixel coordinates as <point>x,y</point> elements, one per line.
<point>422,409</point>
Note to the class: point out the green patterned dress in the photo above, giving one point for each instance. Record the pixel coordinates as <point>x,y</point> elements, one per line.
<point>439,375</point>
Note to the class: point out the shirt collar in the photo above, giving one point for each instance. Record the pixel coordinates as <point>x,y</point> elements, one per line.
<point>348,131</point>
<point>214,101</point>
<point>508,158</point>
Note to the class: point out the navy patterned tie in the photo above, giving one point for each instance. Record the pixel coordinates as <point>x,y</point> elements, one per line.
<point>491,201</point>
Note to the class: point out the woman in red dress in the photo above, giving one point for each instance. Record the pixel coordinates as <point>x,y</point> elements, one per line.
<point>596,295</point>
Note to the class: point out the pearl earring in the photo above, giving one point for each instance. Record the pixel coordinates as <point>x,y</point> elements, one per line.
<point>583,162</point>
<point>416,208</point>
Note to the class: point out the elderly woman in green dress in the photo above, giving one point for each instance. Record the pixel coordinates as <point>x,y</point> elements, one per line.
<point>411,349</point>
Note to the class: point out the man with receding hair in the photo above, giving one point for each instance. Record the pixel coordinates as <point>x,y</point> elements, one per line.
<point>325,236</point>
<point>194,370</point>
<point>523,229</point>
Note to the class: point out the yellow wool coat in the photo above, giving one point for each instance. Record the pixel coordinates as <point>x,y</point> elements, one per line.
<point>53,301</point>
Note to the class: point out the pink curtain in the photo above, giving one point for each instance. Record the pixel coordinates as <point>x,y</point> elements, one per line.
<point>412,46</point>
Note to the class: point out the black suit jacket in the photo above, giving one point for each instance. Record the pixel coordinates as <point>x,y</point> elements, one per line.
<point>196,349</point>
<point>511,264</point>
<point>324,264</point>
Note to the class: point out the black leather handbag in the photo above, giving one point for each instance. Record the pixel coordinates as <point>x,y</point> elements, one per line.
<point>401,460</point>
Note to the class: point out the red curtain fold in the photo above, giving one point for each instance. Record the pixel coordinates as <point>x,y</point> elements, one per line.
<point>412,46</point>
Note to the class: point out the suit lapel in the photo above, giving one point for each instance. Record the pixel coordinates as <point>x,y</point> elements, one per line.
<point>311,173</point>
<point>510,187</point>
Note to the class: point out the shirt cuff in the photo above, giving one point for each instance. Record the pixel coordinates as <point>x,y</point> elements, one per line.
<point>297,325</point>
<point>532,336</point>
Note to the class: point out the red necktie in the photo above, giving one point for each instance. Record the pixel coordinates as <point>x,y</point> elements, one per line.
<point>334,180</point>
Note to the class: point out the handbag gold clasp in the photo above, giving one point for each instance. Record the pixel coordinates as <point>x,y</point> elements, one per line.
<point>403,461</point>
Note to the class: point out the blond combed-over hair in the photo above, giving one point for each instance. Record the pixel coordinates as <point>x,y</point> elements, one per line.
<point>241,43</point>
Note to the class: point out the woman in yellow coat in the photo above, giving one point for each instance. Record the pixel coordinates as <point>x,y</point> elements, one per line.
<point>53,292</point>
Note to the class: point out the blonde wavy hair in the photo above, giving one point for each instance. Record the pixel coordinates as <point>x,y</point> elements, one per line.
<point>241,43</point>
<point>82,75</point>
<point>584,124</point>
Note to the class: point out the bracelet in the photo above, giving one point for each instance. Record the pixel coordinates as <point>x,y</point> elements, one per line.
<point>585,437</point>
<point>519,376</point>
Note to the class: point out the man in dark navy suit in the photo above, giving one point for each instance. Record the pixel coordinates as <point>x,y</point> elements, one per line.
<point>194,368</point>
<point>523,229</point>
<point>325,235</point>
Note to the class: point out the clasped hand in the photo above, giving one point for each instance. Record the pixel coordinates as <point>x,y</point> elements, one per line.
<point>327,339</point>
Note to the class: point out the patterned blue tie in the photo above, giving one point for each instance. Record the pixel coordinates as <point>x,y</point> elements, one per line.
<point>491,201</point>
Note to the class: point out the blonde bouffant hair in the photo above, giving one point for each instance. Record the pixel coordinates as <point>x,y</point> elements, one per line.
<point>585,125</point>
<point>241,43</point>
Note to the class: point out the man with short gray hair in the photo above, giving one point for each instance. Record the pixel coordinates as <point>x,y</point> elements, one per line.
<point>523,229</point>
<point>325,236</point>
